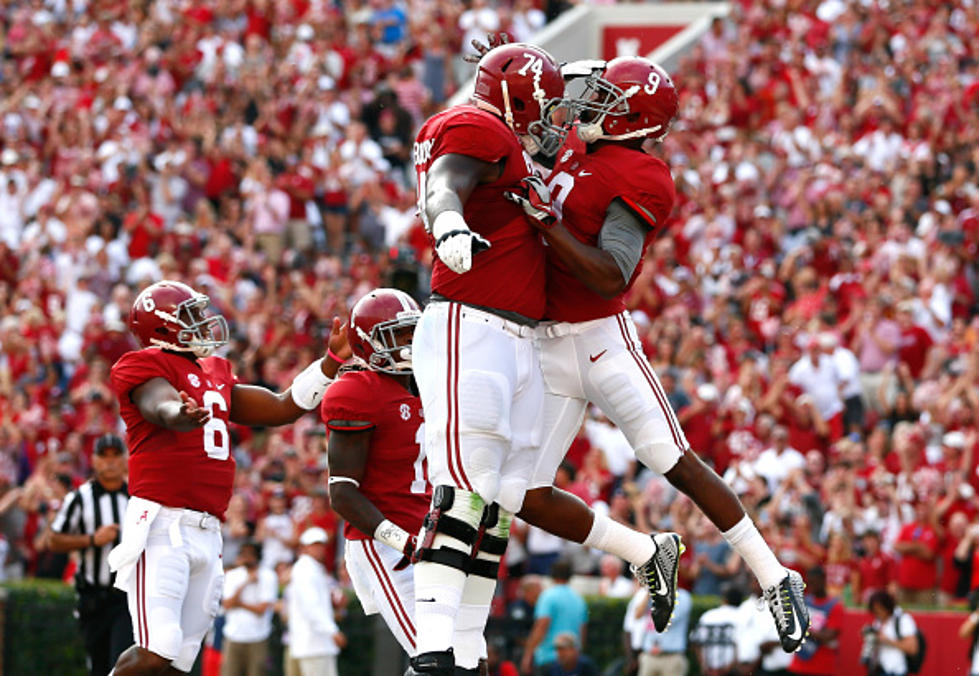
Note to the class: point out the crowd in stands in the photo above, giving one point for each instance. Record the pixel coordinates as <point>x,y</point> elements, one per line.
<point>811,308</point>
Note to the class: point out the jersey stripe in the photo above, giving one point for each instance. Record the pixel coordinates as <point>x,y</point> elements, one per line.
<point>456,311</point>
<point>350,428</point>
<point>409,633</point>
<point>644,366</point>
<point>399,607</point>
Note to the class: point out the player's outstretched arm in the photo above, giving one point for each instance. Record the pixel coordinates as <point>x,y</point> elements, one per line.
<point>160,403</point>
<point>607,268</point>
<point>260,407</point>
<point>448,184</point>
<point>348,453</point>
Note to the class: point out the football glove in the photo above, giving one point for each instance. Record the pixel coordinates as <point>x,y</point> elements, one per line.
<point>535,200</point>
<point>455,243</point>
<point>408,553</point>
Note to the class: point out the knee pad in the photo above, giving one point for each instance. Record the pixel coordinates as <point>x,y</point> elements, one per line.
<point>622,396</point>
<point>660,457</point>
<point>494,533</point>
<point>451,528</point>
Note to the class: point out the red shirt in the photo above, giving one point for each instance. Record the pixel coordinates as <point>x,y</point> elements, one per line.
<point>818,658</point>
<point>876,572</point>
<point>583,185</point>
<point>396,472</point>
<point>509,275</point>
<point>912,571</point>
<point>195,469</point>
<point>915,342</point>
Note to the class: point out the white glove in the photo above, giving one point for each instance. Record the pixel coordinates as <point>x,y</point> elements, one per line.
<point>455,243</point>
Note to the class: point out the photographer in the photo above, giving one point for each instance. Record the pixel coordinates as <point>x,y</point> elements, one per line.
<point>88,522</point>
<point>890,640</point>
<point>969,630</point>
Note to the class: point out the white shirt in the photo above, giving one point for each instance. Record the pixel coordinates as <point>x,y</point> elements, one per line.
<point>892,659</point>
<point>775,466</point>
<point>632,625</point>
<point>719,655</point>
<point>848,369</point>
<point>757,628</point>
<point>244,626</point>
<point>311,623</point>
<point>819,382</point>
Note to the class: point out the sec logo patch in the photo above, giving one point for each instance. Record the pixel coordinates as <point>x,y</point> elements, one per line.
<point>194,380</point>
<point>405,412</point>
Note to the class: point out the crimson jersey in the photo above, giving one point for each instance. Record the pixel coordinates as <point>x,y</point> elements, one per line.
<point>192,470</point>
<point>583,185</point>
<point>396,473</point>
<point>511,274</point>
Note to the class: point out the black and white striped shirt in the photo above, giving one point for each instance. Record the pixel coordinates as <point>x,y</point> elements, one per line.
<point>84,511</point>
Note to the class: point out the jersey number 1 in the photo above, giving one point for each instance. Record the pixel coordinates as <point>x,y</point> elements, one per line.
<point>420,483</point>
<point>216,439</point>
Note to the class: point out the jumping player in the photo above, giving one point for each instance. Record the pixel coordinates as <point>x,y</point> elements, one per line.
<point>476,361</point>
<point>177,400</point>
<point>604,201</point>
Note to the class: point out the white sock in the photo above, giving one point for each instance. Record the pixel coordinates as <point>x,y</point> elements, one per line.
<point>751,546</point>
<point>611,536</point>
<point>435,619</point>
<point>469,643</point>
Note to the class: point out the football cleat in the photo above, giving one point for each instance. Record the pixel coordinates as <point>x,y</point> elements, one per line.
<point>440,663</point>
<point>787,602</point>
<point>659,574</point>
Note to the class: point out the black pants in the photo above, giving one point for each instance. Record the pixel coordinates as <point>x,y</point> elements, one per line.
<point>106,627</point>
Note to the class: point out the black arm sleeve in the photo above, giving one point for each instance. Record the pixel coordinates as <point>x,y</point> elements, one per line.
<point>622,237</point>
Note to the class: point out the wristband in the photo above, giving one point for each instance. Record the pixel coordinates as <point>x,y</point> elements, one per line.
<point>308,387</point>
<point>392,535</point>
<point>448,223</point>
<point>332,355</point>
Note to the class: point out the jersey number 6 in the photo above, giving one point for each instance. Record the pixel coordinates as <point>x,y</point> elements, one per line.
<point>216,438</point>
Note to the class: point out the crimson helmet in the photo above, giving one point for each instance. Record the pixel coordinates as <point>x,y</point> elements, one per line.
<point>172,315</point>
<point>522,84</point>
<point>375,322</point>
<point>632,98</point>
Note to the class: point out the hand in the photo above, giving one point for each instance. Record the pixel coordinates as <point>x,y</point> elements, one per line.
<point>527,663</point>
<point>457,247</point>
<point>340,639</point>
<point>192,412</point>
<point>106,534</point>
<point>535,200</point>
<point>493,40</point>
<point>408,552</point>
<point>337,342</point>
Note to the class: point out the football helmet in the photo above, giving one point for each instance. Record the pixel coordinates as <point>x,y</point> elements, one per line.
<point>173,316</point>
<point>522,84</point>
<point>376,321</point>
<point>632,98</point>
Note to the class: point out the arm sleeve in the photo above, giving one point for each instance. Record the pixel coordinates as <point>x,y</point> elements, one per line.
<point>622,236</point>
<point>348,405</point>
<point>66,521</point>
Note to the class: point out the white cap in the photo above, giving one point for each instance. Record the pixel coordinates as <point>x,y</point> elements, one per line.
<point>313,535</point>
<point>122,103</point>
<point>708,392</point>
<point>60,69</point>
<point>304,32</point>
<point>954,439</point>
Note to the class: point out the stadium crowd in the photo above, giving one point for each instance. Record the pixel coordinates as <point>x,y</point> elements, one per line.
<point>811,309</point>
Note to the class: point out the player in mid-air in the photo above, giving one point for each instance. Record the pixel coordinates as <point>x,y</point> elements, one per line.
<point>476,361</point>
<point>177,400</point>
<point>604,200</point>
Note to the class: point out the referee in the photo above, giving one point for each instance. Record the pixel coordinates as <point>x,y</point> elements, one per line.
<point>88,523</point>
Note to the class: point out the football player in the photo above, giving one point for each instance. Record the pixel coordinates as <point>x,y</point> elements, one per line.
<point>177,400</point>
<point>477,363</point>
<point>378,470</point>
<point>605,200</point>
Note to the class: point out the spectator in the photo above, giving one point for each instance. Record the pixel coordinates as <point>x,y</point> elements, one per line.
<point>496,665</point>
<point>314,638</point>
<point>612,583</point>
<point>570,661</point>
<point>759,651</point>
<point>666,653</point>
<point>917,543</point>
<point>820,652</point>
<point>250,591</point>
<point>969,630</point>
<point>715,636</point>
<point>559,609</point>
<point>895,635</point>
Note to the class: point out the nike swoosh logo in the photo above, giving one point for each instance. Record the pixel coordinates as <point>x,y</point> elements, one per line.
<point>426,600</point>
<point>597,356</point>
<point>584,173</point>
<point>661,588</point>
<point>221,386</point>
